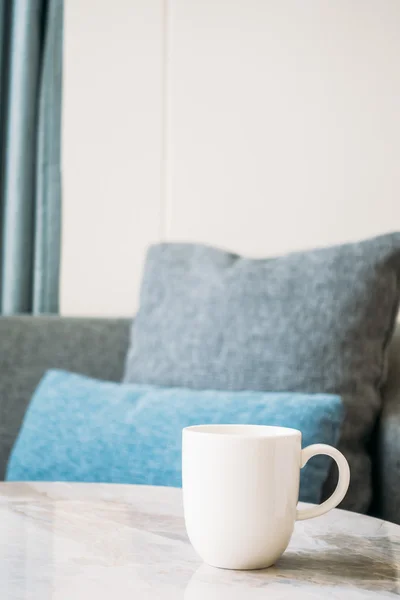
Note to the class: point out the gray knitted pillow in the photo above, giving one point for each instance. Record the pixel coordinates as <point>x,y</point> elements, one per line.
<point>317,321</point>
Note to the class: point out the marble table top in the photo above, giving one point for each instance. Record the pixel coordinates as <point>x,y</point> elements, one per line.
<point>88,541</point>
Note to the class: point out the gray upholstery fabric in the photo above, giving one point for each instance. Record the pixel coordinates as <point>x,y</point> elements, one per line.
<point>317,321</point>
<point>29,346</point>
<point>387,443</point>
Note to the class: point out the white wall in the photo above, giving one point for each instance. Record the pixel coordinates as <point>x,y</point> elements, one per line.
<point>258,125</point>
<point>112,106</point>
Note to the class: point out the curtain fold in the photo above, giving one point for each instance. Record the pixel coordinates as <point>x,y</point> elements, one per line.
<point>31,40</point>
<point>48,171</point>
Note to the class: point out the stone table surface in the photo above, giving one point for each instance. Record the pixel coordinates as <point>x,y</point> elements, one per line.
<point>93,541</point>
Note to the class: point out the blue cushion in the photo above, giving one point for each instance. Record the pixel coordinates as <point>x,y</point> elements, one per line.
<point>81,429</point>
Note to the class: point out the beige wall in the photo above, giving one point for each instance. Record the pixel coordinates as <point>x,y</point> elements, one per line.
<point>258,125</point>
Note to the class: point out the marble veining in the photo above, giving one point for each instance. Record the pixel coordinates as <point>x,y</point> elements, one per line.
<point>76,541</point>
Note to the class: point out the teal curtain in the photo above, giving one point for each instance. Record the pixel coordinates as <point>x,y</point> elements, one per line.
<point>30,187</point>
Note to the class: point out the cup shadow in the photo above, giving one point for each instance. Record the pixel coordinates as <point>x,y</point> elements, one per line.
<point>370,565</point>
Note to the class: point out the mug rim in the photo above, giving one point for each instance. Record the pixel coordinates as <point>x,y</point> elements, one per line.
<point>243,431</point>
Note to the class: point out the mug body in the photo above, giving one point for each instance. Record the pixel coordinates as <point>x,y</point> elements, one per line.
<point>240,492</point>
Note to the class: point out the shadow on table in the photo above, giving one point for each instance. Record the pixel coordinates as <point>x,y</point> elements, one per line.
<point>371,565</point>
<point>338,561</point>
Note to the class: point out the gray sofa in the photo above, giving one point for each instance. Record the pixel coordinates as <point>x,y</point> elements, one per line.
<point>97,347</point>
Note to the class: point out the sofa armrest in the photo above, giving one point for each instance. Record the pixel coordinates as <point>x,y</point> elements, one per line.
<point>387,482</point>
<point>29,346</point>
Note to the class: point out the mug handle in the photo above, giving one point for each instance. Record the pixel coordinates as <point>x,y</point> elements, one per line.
<point>342,485</point>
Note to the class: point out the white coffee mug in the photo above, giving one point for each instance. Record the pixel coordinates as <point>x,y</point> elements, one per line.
<point>240,491</point>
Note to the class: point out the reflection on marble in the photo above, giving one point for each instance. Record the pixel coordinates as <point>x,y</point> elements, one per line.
<point>75,541</point>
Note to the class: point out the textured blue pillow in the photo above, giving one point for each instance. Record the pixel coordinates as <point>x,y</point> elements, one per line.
<point>81,429</point>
